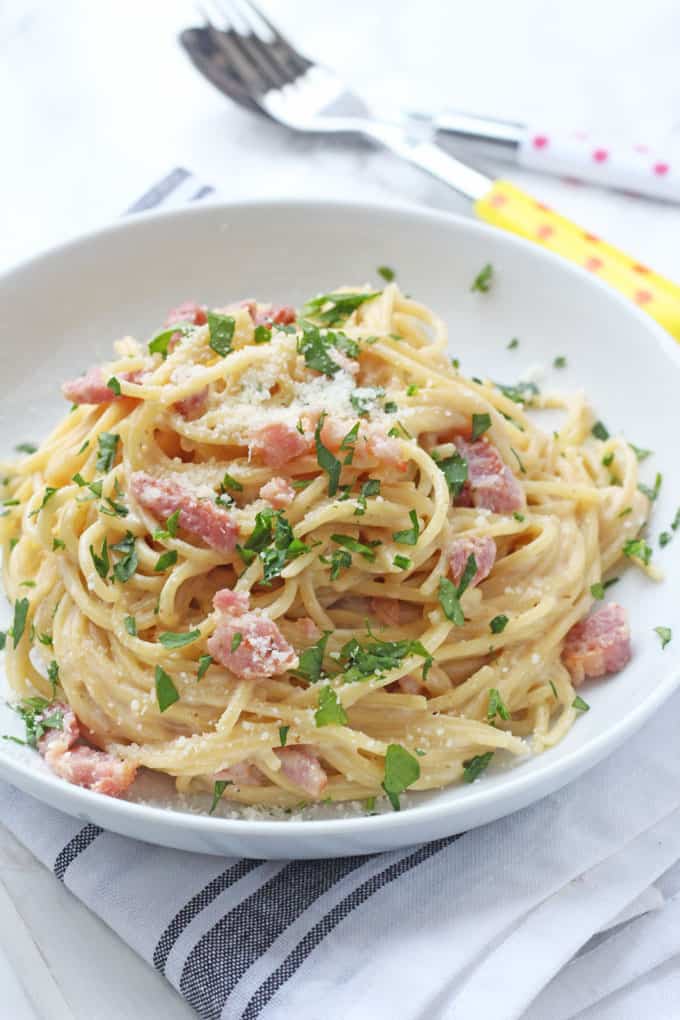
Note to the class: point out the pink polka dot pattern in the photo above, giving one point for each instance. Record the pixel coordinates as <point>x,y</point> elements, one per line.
<point>600,155</point>
<point>593,263</point>
<point>540,141</point>
<point>661,169</point>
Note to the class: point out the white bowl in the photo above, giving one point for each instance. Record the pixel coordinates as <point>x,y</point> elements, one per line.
<point>62,310</point>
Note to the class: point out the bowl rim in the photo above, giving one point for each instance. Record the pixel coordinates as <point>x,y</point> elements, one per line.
<point>517,787</point>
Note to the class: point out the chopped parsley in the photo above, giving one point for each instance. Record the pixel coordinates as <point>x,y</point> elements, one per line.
<point>160,344</point>
<point>410,535</point>
<point>221,332</point>
<point>127,564</point>
<point>204,662</point>
<point>340,560</point>
<point>637,549</point>
<point>165,560</point>
<point>608,459</point>
<point>57,544</point>
<point>639,452</point>
<point>53,675</point>
<point>354,546</point>
<point>108,444</point>
<point>473,767</point>
<point>330,712</point>
<point>514,344</point>
<point>114,385</point>
<point>412,390</point>
<point>371,487</point>
<point>518,516</point>
<point>390,407</point>
<point>311,660</point>
<point>38,719</point>
<point>218,789</point>
<point>665,635</point>
<point>273,540</point>
<point>130,625</point>
<point>402,770</point>
<point>3,639</point>
<point>455,470</point>
<point>47,496</point>
<point>101,561</point>
<point>262,335</point>
<point>496,706</point>
<point>19,624</point>
<point>652,492</point>
<point>399,431</point>
<point>236,641</point>
<point>28,448</point>
<point>600,431</point>
<point>449,594</point>
<point>664,538</point>
<point>579,704</point>
<point>518,459</point>
<point>483,280</point>
<point>230,483</point>
<point>362,662</point>
<point>325,459</point>
<point>170,529</point>
<point>341,305</point>
<point>597,590</point>
<point>498,624</point>
<point>171,639</point>
<point>387,274</point>
<point>480,424</point>
<point>403,562</point>
<point>283,735</point>
<point>560,361</point>
<point>520,393</point>
<point>166,692</point>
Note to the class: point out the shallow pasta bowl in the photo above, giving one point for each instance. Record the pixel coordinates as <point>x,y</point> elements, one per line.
<point>62,310</point>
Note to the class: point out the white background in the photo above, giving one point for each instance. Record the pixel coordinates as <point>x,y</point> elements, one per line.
<point>97,101</point>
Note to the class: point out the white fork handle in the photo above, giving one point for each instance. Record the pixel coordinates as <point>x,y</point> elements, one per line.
<point>631,167</point>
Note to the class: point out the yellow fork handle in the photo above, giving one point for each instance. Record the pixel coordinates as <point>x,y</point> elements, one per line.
<point>508,207</point>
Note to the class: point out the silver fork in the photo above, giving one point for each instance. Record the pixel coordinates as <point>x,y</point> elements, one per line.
<point>269,74</point>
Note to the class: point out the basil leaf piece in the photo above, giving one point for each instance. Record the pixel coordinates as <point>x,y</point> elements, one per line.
<point>165,560</point>
<point>455,470</point>
<point>166,692</point>
<point>330,712</point>
<point>160,344</point>
<point>341,305</point>
<point>221,332</point>
<point>410,535</point>
<point>354,546</point>
<point>283,735</point>
<point>480,424</point>
<point>101,562</point>
<point>311,660</point>
<point>402,770</point>
<point>171,639</point>
<point>473,767</point>
<point>204,662</point>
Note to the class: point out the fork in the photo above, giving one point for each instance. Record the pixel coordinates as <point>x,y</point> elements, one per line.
<point>246,57</point>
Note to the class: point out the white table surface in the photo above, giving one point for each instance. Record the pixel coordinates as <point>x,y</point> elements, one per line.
<point>97,102</point>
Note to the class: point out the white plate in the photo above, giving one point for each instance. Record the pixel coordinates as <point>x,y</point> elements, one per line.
<point>62,310</point>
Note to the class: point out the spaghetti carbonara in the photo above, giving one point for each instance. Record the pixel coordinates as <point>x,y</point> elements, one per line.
<point>287,556</point>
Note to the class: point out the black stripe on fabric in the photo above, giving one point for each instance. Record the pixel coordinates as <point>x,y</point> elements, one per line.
<point>160,191</point>
<point>222,956</point>
<point>340,911</point>
<point>195,905</point>
<point>74,847</point>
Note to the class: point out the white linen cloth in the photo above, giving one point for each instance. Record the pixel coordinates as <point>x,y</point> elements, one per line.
<point>560,911</point>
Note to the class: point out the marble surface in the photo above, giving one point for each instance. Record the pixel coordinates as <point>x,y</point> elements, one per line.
<point>98,101</point>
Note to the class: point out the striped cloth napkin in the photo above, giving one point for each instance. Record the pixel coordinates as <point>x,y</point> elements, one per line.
<point>567,909</point>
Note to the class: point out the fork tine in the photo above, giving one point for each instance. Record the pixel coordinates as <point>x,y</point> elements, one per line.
<point>262,54</point>
<point>240,62</point>
<point>285,49</point>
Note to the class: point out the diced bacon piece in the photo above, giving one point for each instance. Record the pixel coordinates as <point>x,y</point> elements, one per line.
<point>490,481</point>
<point>278,492</point>
<point>388,611</point>
<point>243,773</point>
<point>163,496</point>
<point>598,645</point>
<point>233,602</point>
<point>193,406</point>
<point>261,651</point>
<point>277,444</point>
<point>372,441</point>
<point>188,311</point>
<point>91,388</point>
<point>483,548</point>
<point>302,767</point>
<point>281,315</point>
<point>80,765</point>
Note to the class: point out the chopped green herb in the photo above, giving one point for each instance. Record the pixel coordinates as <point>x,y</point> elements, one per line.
<point>410,535</point>
<point>403,562</point>
<point>364,397</point>
<point>340,560</point>
<point>283,735</point>
<point>204,662</point>
<point>28,448</point>
<point>664,538</point>
<point>514,344</point>
<point>3,639</point>
<point>560,362</point>
<point>166,692</point>
<point>112,509</point>
<point>46,639</point>
<point>498,624</point>
<point>455,363</point>
<point>218,789</point>
<point>520,393</point>
<point>455,471</point>
<point>236,641</point>
<point>57,544</point>
<point>496,706</point>
<point>170,529</point>
<point>449,601</point>
<point>402,770</point>
<point>580,705</point>
<point>126,566</point>
<point>114,385</point>
<point>34,711</point>
<point>639,452</point>
<point>518,516</point>
<point>626,510</point>
<point>390,407</point>
<point>262,335</point>
<point>325,459</point>
<point>480,424</point>
<point>369,805</point>
<point>130,625</point>
<point>330,712</point>
<point>651,493</point>
<point>554,689</point>
<point>47,496</point>
<point>27,584</point>
<point>311,659</point>
<point>600,431</point>
<point>221,332</point>
<point>354,546</point>
<point>473,767</point>
<point>342,305</point>
<point>637,549</point>
<point>108,444</point>
<point>665,634</point>
<point>301,483</point>
<point>608,459</point>
<point>170,639</point>
<point>361,662</point>
<point>230,483</point>
<point>483,280</point>
<point>101,562</point>
<point>386,273</point>
<point>19,624</point>
<point>165,560</point>
<point>160,344</point>
<point>597,590</point>
<point>371,487</point>
<point>610,582</point>
<point>412,390</point>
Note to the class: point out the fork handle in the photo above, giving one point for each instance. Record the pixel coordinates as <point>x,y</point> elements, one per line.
<point>508,207</point>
